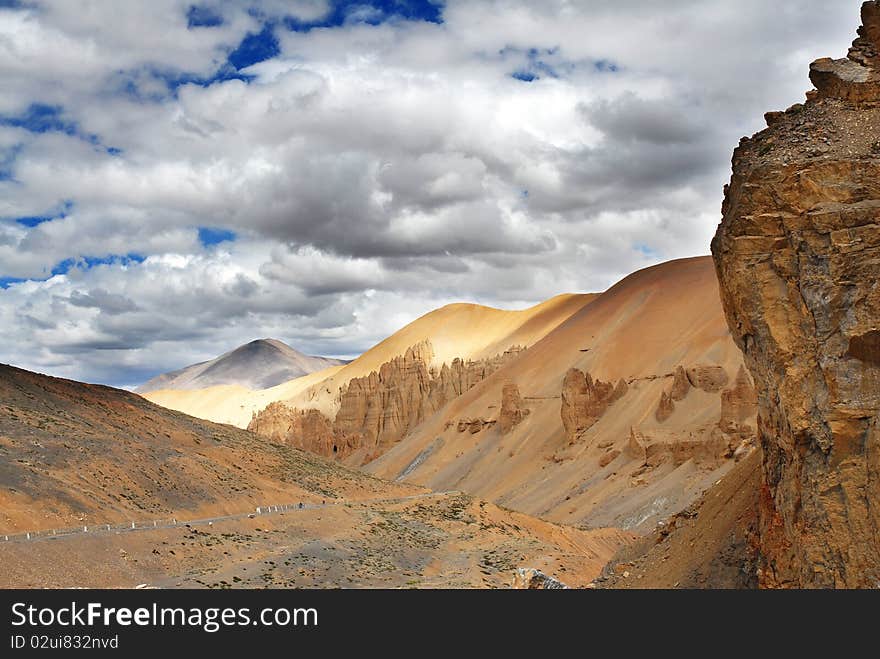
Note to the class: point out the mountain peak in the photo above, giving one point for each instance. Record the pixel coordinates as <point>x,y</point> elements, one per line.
<point>259,364</point>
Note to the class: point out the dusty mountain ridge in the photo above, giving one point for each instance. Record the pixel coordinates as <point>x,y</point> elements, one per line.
<point>469,332</point>
<point>798,257</point>
<point>567,429</point>
<point>259,364</point>
<point>72,453</point>
<point>84,456</point>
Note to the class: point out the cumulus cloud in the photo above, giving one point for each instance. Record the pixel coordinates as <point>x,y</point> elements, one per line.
<point>370,163</point>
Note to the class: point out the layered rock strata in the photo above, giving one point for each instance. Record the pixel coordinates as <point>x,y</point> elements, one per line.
<point>798,261</point>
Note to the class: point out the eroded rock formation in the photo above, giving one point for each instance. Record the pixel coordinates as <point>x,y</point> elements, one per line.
<point>739,404</point>
<point>708,377</point>
<point>584,401</point>
<point>665,408</point>
<point>309,430</point>
<point>513,408</point>
<point>377,410</point>
<point>653,450</point>
<point>383,406</point>
<point>473,426</point>
<point>681,385</point>
<point>798,261</point>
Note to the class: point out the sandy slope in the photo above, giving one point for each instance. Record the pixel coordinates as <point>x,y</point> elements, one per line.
<point>469,331</point>
<point>641,328</point>
<point>233,404</point>
<point>710,545</point>
<point>76,454</point>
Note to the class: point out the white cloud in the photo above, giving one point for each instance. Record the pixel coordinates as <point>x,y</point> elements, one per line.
<point>370,172</point>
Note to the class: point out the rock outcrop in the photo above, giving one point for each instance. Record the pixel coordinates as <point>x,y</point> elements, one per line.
<point>708,377</point>
<point>653,449</point>
<point>383,406</point>
<point>584,401</point>
<point>665,408</point>
<point>309,430</point>
<point>533,579</point>
<point>473,426</point>
<point>739,405</point>
<point>377,410</point>
<point>798,261</point>
<point>681,384</point>
<point>513,409</point>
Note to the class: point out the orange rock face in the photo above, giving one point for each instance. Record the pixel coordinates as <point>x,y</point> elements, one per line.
<point>305,429</point>
<point>708,377</point>
<point>798,261</point>
<point>738,404</point>
<point>382,407</point>
<point>665,408</point>
<point>681,385</point>
<point>585,401</point>
<point>377,410</point>
<point>513,409</point>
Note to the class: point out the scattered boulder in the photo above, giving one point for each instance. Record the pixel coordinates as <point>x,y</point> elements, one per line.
<point>608,458</point>
<point>473,426</point>
<point>532,579</point>
<point>709,378</point>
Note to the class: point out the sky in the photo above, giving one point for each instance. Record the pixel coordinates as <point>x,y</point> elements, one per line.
<point>177,179</point>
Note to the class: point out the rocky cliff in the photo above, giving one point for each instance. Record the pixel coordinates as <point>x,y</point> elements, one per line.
<point>309,430</point>
<point>383,406</point>
<point>377,410</point>
<point>798,261</point>
<point>513,408</point>
<point>585,400</point>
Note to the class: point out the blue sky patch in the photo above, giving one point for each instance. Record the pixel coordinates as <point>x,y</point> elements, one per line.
<point>36,220</point>
<point>648,251</point>
<point>7,159</point>
<point>6,282</point>
<point>212,236</point>
<point>173,80</point>
<point>524,76</point>
<point>88,262</point>
<point>202,16</point>
<point>43,118</point>
<point>40,118</point>
<point>536,65</point>
<point>371,12</point>
<point>255,48</point>
<point>81,263</point>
